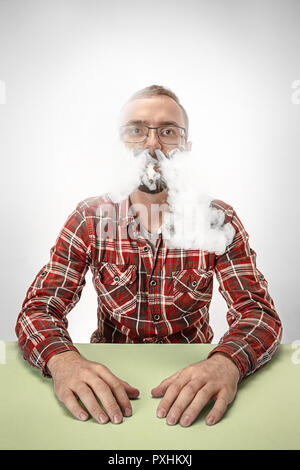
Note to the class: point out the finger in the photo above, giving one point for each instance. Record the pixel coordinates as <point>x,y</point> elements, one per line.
<point>108,400</point>
<point>88,398</point>
<point>159,154</point>
<point>170,396</point>
<point>162,387</point>
<point>70,402</point>
<point>122,391</point>
<point>218,410</point>
<point>184,399</point>
<point>119,391</point>
<point>131,391</point>
<point>201,399</point>
<point>106,375</point>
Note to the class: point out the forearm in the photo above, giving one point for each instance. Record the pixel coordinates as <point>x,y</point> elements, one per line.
<point>251,340</point>
<point>41,336</point>
<point>42,323</point>
<point>254,326</point>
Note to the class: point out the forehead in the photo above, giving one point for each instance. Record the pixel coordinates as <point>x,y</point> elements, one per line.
<point>154,111</point>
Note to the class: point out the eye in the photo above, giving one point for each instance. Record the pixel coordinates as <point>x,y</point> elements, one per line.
<point>130,131</point>
<point>167,131</point>
<point>134,130</point>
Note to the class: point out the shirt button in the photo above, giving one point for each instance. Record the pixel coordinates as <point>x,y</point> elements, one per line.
<point>156,317</point>
<point>152,282</point>
<point>146,248</point>
<point>194,283</point>
<point>261,277</point>
<point>43,274</point>
<point>116,278</point>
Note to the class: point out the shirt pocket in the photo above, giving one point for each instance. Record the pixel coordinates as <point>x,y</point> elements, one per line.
<point>116,286</point>
<point>192,290</point>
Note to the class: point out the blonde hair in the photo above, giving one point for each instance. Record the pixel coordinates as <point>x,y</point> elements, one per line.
<point>155,90</point>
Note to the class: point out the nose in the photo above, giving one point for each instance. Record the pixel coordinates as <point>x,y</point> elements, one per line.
<point>152,142</point>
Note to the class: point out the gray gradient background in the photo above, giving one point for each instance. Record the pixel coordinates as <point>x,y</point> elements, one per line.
<point>66,67</point>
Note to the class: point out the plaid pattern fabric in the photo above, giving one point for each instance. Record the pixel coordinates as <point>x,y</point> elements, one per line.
<point>144,297</point>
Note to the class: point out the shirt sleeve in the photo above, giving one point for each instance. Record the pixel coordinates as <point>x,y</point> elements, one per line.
<point>255,329</point>
<point>41,325</point>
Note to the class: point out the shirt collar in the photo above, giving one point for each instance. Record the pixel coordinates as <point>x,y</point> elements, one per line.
<point>127,214</point>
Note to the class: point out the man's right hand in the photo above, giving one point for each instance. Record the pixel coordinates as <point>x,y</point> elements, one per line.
<point>75,377</point>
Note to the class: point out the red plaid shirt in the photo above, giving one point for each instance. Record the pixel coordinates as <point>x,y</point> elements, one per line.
<point>160,297</point>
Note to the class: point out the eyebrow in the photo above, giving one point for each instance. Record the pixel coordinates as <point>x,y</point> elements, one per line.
<point>145,122</point>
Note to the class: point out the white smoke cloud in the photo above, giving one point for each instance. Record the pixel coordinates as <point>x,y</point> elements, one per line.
<point>127,171</point>
<point>192,223</point>
<point>189,222</point>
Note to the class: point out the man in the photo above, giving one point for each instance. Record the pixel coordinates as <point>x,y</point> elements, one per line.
<point>147,293</point>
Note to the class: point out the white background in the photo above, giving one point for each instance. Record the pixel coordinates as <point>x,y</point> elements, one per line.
<point>67,67</point>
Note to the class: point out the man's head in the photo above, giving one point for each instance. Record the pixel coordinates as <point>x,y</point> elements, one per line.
<point>158,107</point>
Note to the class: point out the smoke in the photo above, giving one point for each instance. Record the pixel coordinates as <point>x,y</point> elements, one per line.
<point>125,171</point>
<point>188,219</point>
<point>191,222</point>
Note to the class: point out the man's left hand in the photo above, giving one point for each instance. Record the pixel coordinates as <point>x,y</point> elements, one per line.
<point>186,392</point>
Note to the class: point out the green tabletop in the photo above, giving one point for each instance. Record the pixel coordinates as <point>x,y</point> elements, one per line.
<point>264,415</point>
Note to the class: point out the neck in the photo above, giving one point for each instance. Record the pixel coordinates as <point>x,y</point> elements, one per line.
<point>149,208</point>
<point>140,197</point>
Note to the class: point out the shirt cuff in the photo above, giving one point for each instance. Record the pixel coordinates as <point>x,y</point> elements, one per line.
<point>240,353</point>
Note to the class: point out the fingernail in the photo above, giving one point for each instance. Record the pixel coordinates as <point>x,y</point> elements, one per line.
<point>128,412</point>
<point>117,419</point>
<point>161,413</point>
<point>83,416</point>
<point>171,419</point>
<point>102,419</point>
<point>210,420</point>
<point>185,421</point>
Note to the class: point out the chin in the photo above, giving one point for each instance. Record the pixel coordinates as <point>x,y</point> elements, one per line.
<point>160,186</point>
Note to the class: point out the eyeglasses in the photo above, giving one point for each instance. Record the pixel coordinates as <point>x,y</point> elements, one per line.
<point>136,133</point>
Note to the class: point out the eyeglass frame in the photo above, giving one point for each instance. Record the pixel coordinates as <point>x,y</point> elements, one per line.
<point>159,127</point>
